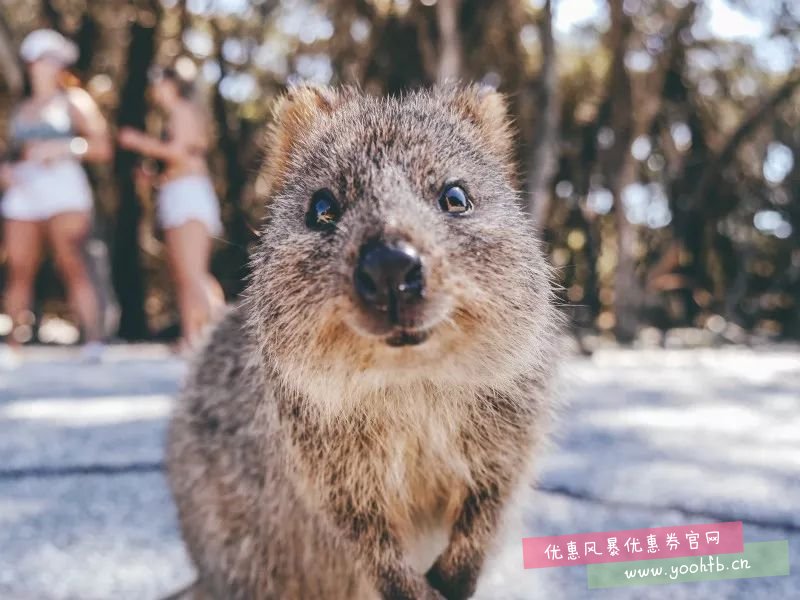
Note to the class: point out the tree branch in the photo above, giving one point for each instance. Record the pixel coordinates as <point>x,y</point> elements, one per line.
<point>721,159</point>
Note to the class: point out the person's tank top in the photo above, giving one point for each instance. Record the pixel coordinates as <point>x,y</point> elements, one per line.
<point>52,121</point>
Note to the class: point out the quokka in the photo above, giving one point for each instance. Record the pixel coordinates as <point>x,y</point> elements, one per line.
<point>358,426</point>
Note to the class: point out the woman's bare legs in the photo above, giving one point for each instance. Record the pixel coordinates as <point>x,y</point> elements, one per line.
<point>68,233</point>
<point>199,294</point>
<point>23,241</point>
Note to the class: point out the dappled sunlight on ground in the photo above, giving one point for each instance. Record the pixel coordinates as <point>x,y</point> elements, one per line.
<point>645,438</point>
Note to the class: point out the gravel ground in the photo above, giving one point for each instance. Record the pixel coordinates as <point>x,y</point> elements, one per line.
<point>645,438</point>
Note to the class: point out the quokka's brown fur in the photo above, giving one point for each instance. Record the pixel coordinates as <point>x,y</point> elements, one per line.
<point>310,459</point>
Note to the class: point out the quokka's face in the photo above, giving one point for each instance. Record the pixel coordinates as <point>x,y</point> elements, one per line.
<point>394,241</point>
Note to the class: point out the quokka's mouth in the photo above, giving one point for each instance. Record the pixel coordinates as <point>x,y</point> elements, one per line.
<point>406,337</point>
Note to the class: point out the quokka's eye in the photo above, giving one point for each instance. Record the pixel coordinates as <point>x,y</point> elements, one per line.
<point>324,211</point>
<point>454,200</point>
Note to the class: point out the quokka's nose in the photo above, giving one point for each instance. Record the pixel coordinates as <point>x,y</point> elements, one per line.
<point>388,275</point>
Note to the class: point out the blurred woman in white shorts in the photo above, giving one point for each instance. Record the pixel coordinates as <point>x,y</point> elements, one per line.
<point>188,208</point>
<point>48,199</point>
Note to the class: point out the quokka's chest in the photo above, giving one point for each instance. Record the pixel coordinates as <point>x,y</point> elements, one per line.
<point>425,479</point>
<point>415,479</point>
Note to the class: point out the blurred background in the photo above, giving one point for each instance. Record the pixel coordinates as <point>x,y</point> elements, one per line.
<point>658,140</point>
<point>659,153</point>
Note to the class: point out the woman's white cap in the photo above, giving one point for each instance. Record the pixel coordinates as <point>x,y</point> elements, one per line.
<point>47,42</point>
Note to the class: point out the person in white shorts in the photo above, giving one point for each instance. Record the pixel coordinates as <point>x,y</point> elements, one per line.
<point>47,198</point>
<point>188,208</point>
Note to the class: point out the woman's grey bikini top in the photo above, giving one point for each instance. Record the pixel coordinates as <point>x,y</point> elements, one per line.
<point>52,122</point>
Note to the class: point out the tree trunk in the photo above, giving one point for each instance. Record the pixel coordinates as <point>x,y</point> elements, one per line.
<point>449,67</point>
<point>620,171</point>
<point>627,290</point>
<point>232,144</point>
<point>543,161</point>
<point>86,38</point>
<point>9,64</point>
<point>126,265</point>
<point>51,16</point>
<point>96,252</point>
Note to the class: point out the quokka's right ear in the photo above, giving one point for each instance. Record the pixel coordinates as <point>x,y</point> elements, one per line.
<point>486,108</point>
<point>295,113</point>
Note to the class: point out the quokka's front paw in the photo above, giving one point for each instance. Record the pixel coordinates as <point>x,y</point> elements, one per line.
<point>455,585</point>
<point>433,594</point>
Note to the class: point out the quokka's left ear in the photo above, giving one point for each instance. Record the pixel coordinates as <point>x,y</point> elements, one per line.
<point>486,108</point>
